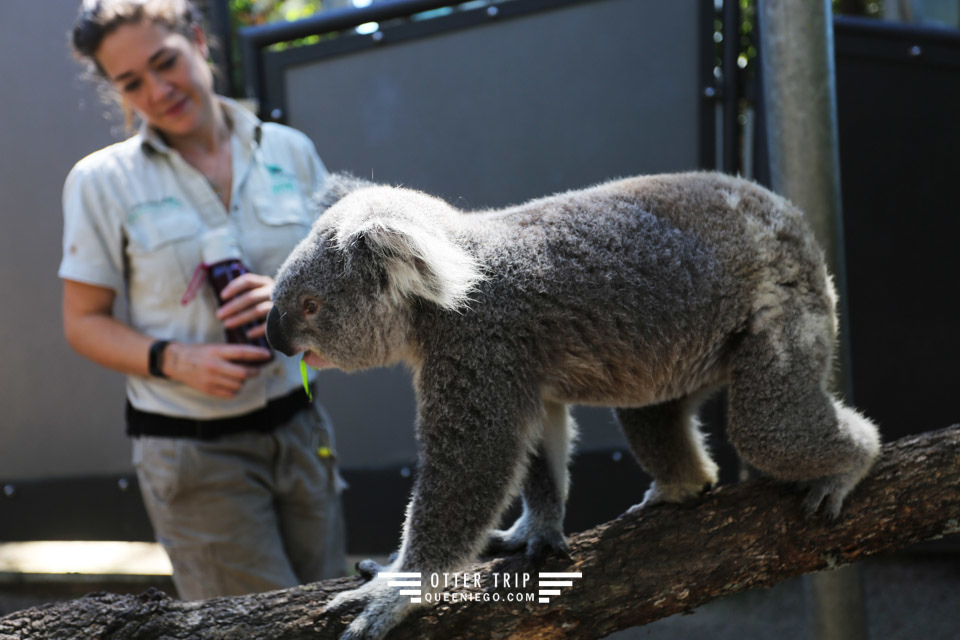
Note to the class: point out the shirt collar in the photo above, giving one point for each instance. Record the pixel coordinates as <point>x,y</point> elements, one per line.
<point>245,125</point>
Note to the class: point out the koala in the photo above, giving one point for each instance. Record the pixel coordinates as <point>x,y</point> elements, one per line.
<point>643,294</point>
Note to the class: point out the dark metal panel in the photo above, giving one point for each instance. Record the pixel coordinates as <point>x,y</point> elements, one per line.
<point>73,508</point>
<point>253,40</point>
<point>898,104</point>
<point>731,88</point>
<point>897,42</point>
<point>515,109</point>
<point>222,49</point>
<point>898,96</point>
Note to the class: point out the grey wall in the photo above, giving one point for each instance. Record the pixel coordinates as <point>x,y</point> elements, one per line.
<point>491,114</point>
<point>59,415</point>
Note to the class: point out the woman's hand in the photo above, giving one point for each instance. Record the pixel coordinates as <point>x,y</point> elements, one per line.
<point>248,301</point>
<point>215,369</point>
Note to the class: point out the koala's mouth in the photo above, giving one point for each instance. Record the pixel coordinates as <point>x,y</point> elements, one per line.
<point>316,361</point>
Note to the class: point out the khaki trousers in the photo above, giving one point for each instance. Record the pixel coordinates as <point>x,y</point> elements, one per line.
<point>248,512</point>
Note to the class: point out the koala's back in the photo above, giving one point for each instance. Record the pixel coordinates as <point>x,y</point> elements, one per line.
<point>639,287</point>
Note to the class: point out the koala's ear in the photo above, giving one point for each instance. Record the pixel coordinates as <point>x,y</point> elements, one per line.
<point>335,187</point>
<point>420,262</point>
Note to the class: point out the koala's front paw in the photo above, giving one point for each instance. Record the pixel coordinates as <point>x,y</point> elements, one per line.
<point>383,608</point>
<point>670,493</point>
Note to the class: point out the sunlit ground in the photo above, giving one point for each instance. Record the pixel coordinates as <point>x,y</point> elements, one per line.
<point>99,558</point>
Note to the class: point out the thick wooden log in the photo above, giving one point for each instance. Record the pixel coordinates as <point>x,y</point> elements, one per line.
<point>635,569</point>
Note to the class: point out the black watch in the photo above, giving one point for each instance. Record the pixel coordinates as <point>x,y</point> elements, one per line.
<point>155,361</point>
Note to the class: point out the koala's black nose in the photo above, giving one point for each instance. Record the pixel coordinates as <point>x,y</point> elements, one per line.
<point>275,333</point>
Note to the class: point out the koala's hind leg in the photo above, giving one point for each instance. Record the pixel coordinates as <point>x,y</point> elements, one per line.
<point>539,529</point>
<point>782,420</point>
<point>667,442</point>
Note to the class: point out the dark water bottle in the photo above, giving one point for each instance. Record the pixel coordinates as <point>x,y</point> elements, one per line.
<point>221,257</point>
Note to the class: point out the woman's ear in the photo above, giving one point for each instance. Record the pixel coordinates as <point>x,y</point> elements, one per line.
<point>129,115</point>
<point>200,41</point>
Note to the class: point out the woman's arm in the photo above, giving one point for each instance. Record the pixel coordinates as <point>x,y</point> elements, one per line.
<point>93,332</point>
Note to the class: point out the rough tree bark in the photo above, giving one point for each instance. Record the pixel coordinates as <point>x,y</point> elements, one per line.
<point>636,569</point>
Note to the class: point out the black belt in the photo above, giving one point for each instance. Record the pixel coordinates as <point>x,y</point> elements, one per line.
<point>263,420</point>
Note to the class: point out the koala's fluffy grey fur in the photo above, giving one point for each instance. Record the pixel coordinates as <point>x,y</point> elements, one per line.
<point>642,294</point>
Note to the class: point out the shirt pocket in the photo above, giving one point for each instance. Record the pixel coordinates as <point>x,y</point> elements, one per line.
<point>163,243</point>
<point>281,211</point>
<point>152,227</point>
<point>284,221</point>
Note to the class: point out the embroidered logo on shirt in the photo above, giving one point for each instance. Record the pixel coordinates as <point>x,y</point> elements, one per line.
<point>283,181</point>
<point>153,206</point>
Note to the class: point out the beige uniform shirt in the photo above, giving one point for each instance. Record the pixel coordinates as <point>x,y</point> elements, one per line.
<point>133,216</point>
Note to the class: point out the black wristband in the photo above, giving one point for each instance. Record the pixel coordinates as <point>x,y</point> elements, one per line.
<point>155,360</point>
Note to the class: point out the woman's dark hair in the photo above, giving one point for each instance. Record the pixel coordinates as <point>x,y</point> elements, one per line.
<point>99,18</point>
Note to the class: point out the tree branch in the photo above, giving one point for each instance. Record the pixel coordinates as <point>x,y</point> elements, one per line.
<point>636,569</point>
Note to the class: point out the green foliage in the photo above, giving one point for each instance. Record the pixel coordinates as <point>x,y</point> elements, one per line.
<point>748,35</point>
<point>748,23</point>
<point>245,13</point>
<point>248,13</point>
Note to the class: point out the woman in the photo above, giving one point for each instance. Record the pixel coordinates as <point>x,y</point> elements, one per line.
<point>235,465</point>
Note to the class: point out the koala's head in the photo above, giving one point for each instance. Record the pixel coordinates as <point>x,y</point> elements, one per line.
<point>349,292</point>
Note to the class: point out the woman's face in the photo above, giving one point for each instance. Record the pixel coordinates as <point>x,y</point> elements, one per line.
<point>161,74</point>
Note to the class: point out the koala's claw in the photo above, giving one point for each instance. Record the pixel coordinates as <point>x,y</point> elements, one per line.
<point>540,546</point>
<point>829,492</point>
<point>659,494</point>
<point>536,544</point>
<point>349,634</point>
<point>343,602</point>
<point>383,608</point>
<point>360,629</point>
<point>499,542</point>
<point>815,496</point>
<point>368,569</point>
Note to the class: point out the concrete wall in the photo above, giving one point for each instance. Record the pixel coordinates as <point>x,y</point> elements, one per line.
<point>59,414</point>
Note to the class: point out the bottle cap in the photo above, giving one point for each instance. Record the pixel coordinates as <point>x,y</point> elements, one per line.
<point>218,245</point>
